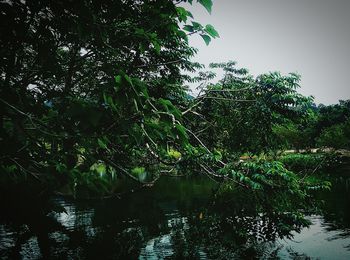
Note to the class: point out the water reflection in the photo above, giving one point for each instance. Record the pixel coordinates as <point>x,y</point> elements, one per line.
<point>177,219</point>
<point>317,242</point>
<point>329,235</point>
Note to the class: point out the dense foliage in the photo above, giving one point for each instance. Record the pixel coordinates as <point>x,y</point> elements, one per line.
<point>240,111</point>
<point>95,94</point>
<point>94,91</point>
<point>324,126</point>
<point>90,82</point>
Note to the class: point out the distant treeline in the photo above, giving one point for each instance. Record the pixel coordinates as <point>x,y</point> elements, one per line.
<point>324,126</point>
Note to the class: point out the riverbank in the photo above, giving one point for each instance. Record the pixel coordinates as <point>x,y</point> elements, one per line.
<point>341,152</point>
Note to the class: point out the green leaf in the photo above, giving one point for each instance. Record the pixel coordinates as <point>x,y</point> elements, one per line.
<point>206,38</point>
<point>99,168</point>
<point>140,31</point>
<point>217,155</point>
<point>183,35</point>
<point>156,46</point>
<point>138,170</point>
<point>140,86</point>
<point>109,101</point>
<point>207,4</point>
<point>189,14</point>
<point>182,131</point>
<point>60,167</point>
<point>128,79</point>
<point>101,143</point>
<point>188,28</point>
<point>174,154</point>
<point>211,31</point>
<point>169,107</point>
<point>197,26</point>
<point>118,80</point>
<point>182,14</point>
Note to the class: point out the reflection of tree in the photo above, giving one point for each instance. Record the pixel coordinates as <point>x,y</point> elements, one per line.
<point>114,229</point>
<point>296,255</point>
<point>336,210</point>
<point>27,217</point>
<point>239,230</point>
<point>235,224</point>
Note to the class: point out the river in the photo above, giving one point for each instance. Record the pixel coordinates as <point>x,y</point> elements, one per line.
<point>171,221</point>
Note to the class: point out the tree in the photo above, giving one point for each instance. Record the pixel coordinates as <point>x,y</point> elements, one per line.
<point>241,111</point>
<point>334,136</point>
<point>92,91</point>
<point>88,82</point>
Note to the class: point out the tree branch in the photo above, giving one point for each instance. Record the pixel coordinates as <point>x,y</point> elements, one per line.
<point>159,64</point>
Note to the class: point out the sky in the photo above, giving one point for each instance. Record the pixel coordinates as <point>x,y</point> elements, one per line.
<point>310,37</point>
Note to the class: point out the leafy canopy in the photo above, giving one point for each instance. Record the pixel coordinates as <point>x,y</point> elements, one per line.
<point>94,90</point>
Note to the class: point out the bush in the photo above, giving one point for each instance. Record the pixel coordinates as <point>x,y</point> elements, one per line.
<point>334,137</point>
<point>310,162</point>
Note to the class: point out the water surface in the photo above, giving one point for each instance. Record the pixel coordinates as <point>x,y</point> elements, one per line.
<point>177,219</point>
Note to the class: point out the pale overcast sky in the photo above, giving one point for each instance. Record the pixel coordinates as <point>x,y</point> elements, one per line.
<point>311,37</point>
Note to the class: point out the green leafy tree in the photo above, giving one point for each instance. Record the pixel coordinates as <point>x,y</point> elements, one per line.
<point>241,111</point>
<point>334,137</point>
<point>92,91</point>
<point>83,82</point>
<point>321,126</point>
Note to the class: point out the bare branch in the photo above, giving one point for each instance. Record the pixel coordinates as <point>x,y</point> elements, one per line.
<point>229,90</point>
<point>25,170</point>
<point>193,106</point>
<point>230,99</point>
<point>159,64</point>
<point>225,177</point>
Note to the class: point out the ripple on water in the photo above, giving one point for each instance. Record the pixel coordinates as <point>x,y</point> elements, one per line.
<point>317,242</point>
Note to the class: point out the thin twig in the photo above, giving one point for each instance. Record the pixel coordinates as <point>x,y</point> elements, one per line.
<point>228,90</point>
<point>231,99</point>
<point>159,64</point>
<point>25,170</point>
